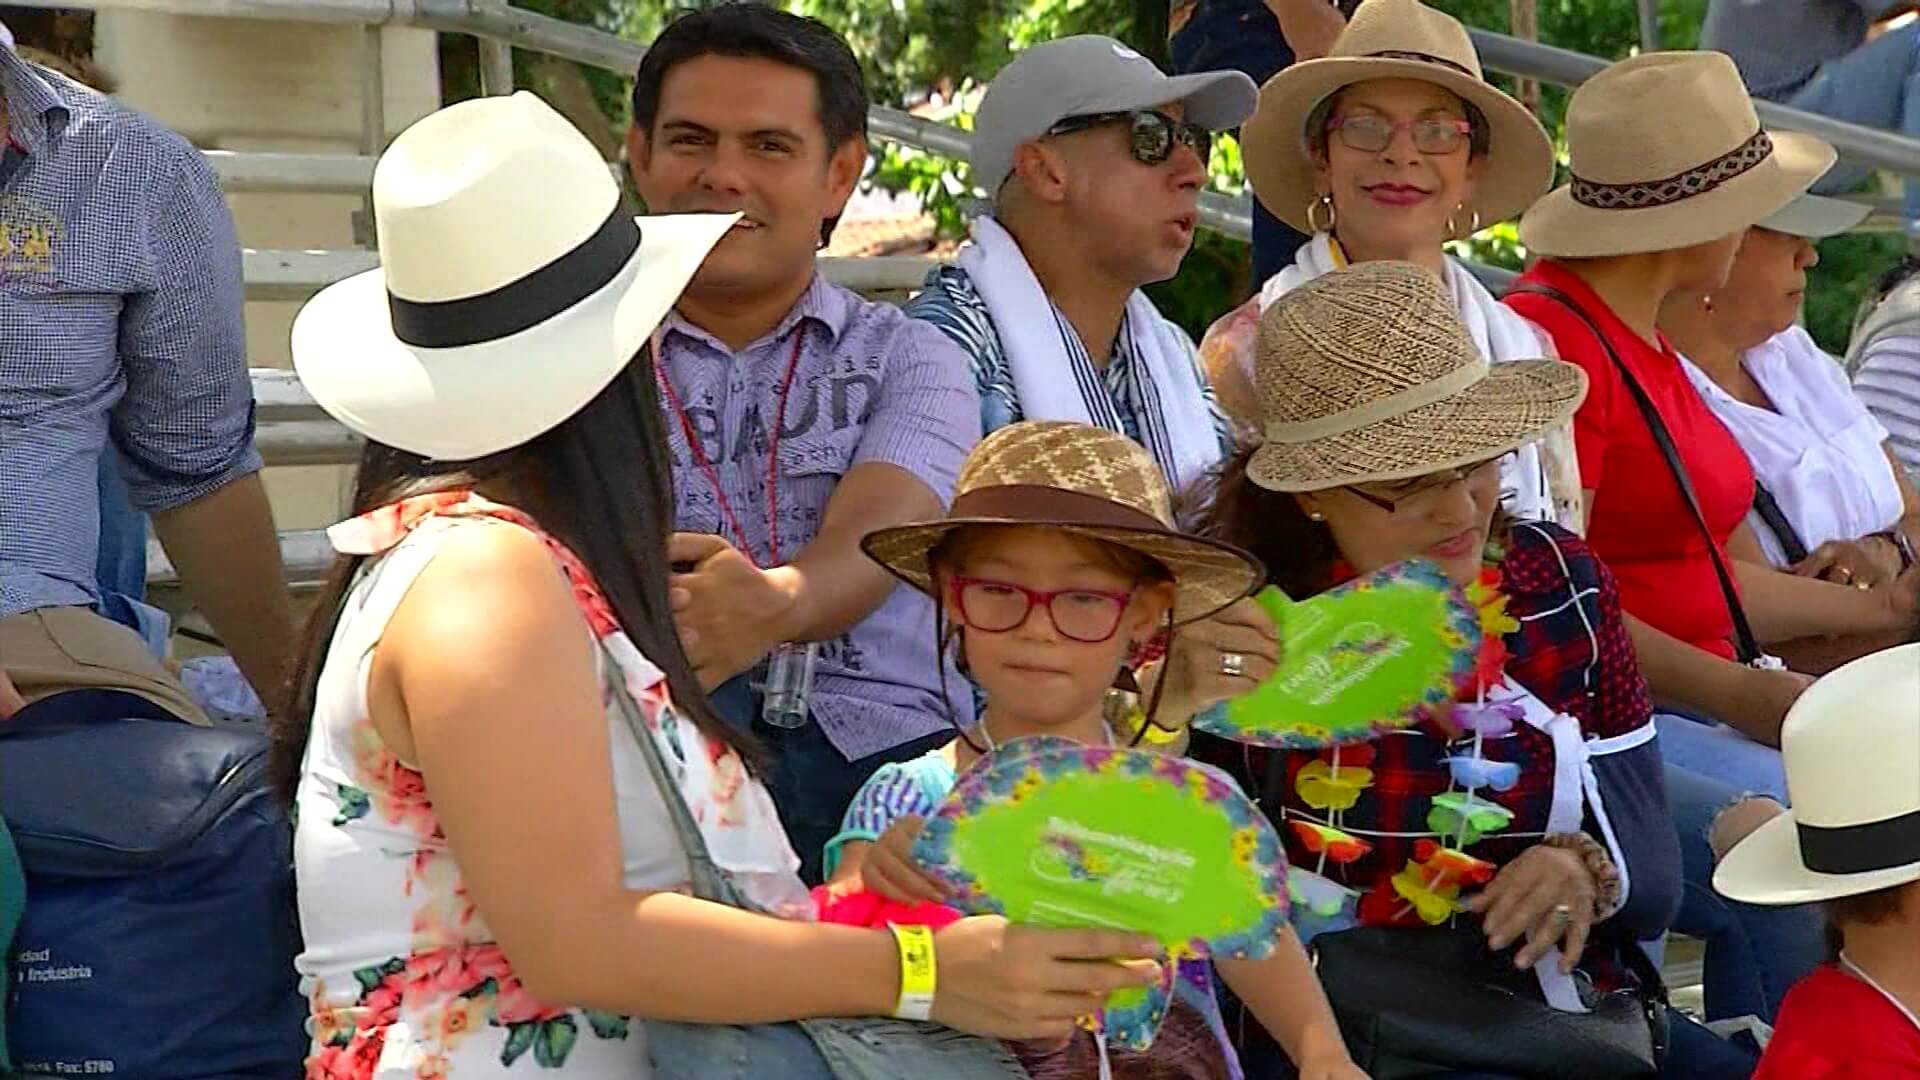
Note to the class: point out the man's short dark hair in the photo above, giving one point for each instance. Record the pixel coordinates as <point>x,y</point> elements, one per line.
<point>756,31</point>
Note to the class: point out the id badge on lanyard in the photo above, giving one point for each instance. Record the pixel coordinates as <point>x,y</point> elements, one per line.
<point>785,677</point>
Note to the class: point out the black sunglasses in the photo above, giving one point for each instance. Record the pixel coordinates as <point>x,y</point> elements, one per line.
<point>1151,135</point>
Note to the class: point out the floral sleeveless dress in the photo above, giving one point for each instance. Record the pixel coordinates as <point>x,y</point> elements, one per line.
<point>403,975</point>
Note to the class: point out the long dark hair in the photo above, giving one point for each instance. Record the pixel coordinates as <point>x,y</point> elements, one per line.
<point>598,483</point>
<point>1298,551</point>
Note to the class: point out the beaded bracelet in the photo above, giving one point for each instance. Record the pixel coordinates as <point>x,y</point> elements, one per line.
<point>1606,876</point>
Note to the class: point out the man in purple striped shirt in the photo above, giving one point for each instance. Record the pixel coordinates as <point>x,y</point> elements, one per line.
<point>800,415</point>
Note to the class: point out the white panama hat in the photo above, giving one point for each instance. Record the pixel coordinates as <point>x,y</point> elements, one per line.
<point>1852,750</point>
<point>512,288</point>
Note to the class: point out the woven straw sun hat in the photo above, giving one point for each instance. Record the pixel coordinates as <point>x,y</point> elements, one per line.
<point>1085,480</point>
<point>1667,152</point>
<point>1852,751</point>
<point>1367,374</point>
<point>1393,39</point>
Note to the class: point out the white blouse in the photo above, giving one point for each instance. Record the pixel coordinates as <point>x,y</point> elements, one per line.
<point>1821,454</point>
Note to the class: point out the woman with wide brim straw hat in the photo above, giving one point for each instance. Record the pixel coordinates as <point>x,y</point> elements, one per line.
<point>1056,565</point>
<point>1670,168</point>
<point>499,634</point>
<point>1851,842</point>
<point>1387,148</point>
<point>1384,426</point>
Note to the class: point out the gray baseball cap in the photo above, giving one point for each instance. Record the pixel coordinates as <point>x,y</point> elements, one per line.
<point>1084,75</point>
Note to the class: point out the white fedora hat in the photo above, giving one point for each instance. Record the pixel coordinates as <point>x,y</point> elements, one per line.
<point>1852,749</point>
<point>512,288</point>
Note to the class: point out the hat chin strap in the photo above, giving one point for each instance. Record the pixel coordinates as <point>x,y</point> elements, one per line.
<point>1293,432</point>
<point>1863,848</point>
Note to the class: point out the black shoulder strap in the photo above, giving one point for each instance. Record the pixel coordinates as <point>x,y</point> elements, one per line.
<point>1744,641</point>
<point>1776,522</point>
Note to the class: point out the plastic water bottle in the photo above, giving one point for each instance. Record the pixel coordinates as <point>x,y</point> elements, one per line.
<point>788,682</point>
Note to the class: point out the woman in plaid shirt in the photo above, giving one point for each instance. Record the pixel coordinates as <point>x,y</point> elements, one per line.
<point>1376,454</point>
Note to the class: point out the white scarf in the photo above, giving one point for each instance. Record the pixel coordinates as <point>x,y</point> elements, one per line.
<point>1043,350</point>
<point>1539,486</point>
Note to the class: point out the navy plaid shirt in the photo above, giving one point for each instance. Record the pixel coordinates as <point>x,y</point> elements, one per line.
<point>120,317</point>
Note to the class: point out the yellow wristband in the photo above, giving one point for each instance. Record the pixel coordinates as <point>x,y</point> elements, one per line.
<point>917,971</point>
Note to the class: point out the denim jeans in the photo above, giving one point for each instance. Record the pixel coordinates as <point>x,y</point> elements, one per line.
<point>1877,85</point>
<point>812,782</point>
<point>1244,36</point>
<point>120,564</point>
<point>1754,954</point>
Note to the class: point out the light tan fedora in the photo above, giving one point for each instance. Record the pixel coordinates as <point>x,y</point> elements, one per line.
<point>1367,374</point>
<point>1852,750</point>
<point>1393,39</point>
<point>1087,480</point>
<point>1667,152</point>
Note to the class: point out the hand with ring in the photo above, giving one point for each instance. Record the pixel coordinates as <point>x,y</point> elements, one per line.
<point>1546,895</point>
<point>1867,563</point>
<point>1215,660</point>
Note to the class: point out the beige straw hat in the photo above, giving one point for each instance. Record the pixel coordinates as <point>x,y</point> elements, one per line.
<point>1393,39</point>
<point>1667,152</point>
<point>1367,374</point>
<point>1086,480</point>
<point>1852,751</point>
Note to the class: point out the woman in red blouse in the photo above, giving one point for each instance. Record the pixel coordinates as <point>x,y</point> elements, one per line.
<point>1656,210</point>
<point>1385,428</point>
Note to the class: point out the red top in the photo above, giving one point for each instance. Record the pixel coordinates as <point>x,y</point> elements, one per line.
<point>1832,1025</point>
<point>1638,521</point>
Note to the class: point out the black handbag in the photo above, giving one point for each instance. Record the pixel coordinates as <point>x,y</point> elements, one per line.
<point>1421,1001</point>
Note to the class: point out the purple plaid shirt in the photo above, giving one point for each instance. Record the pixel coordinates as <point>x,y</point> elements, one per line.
<point>870,385</point>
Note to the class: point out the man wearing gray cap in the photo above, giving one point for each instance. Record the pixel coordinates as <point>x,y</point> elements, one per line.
<point>1094,160</point>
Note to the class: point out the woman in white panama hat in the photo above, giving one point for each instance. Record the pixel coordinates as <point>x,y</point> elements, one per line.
<point>1655,209</point>
<point>1385,426</point>
<point>1387,148</point>
<point>522,830</point>
<point>1831,500</point>
<point>1852,842</point>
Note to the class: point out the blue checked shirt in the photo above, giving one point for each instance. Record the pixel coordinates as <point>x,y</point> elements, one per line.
<point>120,317</point>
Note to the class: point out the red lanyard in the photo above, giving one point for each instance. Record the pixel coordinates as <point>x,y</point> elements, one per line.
<point>699,452</point>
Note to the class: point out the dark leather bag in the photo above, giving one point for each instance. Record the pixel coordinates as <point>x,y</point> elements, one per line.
<point>1421,1001</point>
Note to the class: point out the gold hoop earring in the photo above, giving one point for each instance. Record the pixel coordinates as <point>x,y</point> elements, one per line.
<point>1323,202</point>
<point>1473,224</point>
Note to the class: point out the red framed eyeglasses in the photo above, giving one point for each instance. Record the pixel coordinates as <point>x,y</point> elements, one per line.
<point>1088,616</point>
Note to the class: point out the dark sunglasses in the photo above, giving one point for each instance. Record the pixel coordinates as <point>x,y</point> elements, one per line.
<point>1151,136</point>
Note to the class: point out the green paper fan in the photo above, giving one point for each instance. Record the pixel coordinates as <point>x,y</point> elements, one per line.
<point>1374,655</point>
<point>1053,833</point>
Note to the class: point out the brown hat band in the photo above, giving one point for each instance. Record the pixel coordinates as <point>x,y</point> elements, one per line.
<point>1044,505</point>
<point>1695,181</point>
<point>1425,58</point>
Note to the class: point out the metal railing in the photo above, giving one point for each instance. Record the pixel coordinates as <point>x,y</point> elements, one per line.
<point>294,431</point>
<point>515,28</point>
